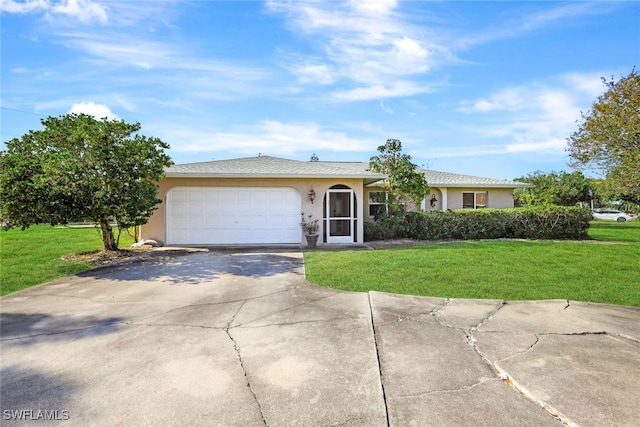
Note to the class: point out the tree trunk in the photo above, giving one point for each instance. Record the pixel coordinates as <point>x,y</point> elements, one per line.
<point>108,240</point>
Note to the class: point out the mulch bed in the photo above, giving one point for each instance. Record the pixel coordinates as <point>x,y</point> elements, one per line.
<point>102,257</point>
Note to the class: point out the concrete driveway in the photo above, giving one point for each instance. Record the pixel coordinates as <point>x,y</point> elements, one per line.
<point>241,339</point>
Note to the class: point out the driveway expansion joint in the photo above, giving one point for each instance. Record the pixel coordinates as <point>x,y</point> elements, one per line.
<point>380,374</point>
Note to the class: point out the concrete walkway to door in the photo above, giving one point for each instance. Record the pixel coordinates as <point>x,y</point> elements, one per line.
<point>241,339</point>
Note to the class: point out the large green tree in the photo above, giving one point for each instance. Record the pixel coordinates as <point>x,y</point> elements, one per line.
<point>562,189</point>
<point>404,182</point>
<point>608,137</point>
<point>80,168</point>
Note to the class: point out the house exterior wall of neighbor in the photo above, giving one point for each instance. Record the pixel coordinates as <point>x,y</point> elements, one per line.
<point>156,227</point>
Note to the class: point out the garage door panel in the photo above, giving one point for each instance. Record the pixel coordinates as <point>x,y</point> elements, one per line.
<point>212,195</point>
<point>178,208</point>
<point>179,195</point>
<point>212,209</point>
<point>194,195</point>
<point>216,215</point>
<point>260,222</point>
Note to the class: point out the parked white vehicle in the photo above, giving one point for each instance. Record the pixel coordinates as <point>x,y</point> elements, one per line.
<point>612,215</point>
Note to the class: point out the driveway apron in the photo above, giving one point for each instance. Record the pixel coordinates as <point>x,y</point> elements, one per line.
<point>241,339</point>
<point>206,338</point>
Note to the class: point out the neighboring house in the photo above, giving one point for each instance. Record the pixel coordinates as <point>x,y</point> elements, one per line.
<point>259,200</point>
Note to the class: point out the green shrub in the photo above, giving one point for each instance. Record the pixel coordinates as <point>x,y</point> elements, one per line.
<point>540,222</point>
<point>386,227</point>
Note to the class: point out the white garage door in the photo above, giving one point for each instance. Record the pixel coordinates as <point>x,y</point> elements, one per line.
<point>222,216</point>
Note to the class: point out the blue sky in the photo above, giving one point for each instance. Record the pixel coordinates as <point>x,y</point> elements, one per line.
<point>483,88</point>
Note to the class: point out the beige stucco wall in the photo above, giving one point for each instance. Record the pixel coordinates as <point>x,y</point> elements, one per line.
<point>438,203</point>
<point>497,198</point>
<point>155,228</point>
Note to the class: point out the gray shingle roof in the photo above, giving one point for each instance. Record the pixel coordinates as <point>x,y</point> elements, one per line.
<point>447,179</point>
<point>267,166</point>
<point>275,167</point>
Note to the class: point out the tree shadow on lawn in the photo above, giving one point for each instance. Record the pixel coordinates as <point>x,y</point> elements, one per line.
<point>179,267</point>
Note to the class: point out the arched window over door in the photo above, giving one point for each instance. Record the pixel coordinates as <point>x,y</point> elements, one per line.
<point>340,215</point>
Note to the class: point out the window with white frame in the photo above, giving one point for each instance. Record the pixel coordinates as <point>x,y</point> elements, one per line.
<point>474,200</point>
<point>377,202</point>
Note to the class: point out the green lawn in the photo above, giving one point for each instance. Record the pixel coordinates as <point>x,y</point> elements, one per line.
<point>32,256</point>
<point>605,269</point>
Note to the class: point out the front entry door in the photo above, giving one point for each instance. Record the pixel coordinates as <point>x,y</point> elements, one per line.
<point>340,216</point>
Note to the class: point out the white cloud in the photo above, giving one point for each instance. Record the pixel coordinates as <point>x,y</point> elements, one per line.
<point>169,66</point>
<point>555,145</point>
<point>374,7</point>
<point>122,50</point>
<point>28,6</point>
<point>367,43</point>
<point>514,26</point>
<point>85,11</point>
<point>561,13</point>
<point>534,118</point>
<point>395,89</point>
<point>410,54</point>
<point>386,109</point>
<point>99,111</point>
<point>589,84</point>
<point>466,151</point>
<point>506,99</point>
<point>373,46</point>
<point>268,136</point>
<point>313,73</point>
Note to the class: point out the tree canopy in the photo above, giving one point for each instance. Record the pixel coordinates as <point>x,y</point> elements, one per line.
<point>404,181</point>
<point>562,189</point>
<point>80,168</point>
<point>608,137</point>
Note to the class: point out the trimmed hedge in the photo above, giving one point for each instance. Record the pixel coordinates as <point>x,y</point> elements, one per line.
<point>541,222</point>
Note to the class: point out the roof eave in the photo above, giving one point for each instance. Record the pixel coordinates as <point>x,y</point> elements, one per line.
<point>262,175</point>
<point>478,185</point>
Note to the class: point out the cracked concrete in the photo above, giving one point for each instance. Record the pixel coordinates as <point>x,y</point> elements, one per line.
<point>241,339</point>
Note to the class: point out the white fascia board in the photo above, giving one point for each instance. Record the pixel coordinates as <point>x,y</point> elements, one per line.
<point>246,175</point>
<point>478,185</point>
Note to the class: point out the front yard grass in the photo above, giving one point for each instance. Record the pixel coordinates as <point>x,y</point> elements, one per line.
<point>33,256</point>
<point>605,269</point>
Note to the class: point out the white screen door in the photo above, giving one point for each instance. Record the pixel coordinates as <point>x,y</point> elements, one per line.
<point>340,216</point>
